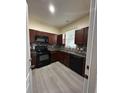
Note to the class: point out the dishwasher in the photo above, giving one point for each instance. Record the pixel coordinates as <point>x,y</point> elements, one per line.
<point>77,64</point>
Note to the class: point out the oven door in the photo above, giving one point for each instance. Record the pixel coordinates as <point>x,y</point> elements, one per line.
<point>42,60</point>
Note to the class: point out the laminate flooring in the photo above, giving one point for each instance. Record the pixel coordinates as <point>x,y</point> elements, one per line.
<point>56,78</point>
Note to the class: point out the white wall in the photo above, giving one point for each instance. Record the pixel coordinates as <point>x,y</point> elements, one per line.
<point>83,22</point>
<point>43,27</point>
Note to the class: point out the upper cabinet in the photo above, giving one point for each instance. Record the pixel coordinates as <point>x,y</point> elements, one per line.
<point>85,34</point>
<point>52,37</point>
<point>61,39</point>
<point>81,36</point>
<point>32,35</point>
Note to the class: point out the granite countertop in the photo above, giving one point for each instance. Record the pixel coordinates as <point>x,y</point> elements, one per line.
<point>54,49</point>
<point>62,50</point>
<point>74,53</point>
<point>33,52</point>
<point>70,52</point>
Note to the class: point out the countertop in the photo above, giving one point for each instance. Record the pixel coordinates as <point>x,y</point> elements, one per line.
<point>66,51</point>
<point>33,52</point>
<point>70,52</point>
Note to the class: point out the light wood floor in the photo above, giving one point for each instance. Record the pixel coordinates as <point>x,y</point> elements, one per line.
<point>56,78</point>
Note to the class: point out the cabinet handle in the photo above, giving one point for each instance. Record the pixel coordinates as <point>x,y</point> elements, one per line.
<point>87,67</point>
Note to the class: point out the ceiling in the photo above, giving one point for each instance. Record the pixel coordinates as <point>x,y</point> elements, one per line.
<point>66,11</point>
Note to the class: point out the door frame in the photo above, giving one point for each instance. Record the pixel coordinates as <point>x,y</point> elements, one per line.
<point>90,84</point>
<point>28,57</point>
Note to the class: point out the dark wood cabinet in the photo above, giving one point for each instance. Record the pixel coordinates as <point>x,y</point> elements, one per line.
<point>57,56</point>
<point>37,33</point>
<point>33,57</point>
<point>60,56</point>
<point>85,34</point>
<point>81,36</point>
<point>32,35</point>
<point>59,39</point>
<point>52,37</point>
<point>66,61</point>
<point>54,56</point>
<point>74,62</point>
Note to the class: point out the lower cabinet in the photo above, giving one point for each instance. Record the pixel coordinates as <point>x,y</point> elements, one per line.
<point>54,56</point>
<point>76,63</point>
<point>60,56</point>
<point>33,61</point>
<point>66,59</point>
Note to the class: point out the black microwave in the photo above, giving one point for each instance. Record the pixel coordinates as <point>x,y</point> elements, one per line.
<point>41,39</point>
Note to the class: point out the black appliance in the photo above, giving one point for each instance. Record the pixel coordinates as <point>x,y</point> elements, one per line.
<point>41,39</point>
<point>77,64</point>
<point>42,56</point>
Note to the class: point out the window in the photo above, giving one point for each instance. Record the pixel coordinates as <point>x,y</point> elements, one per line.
<point>70,39</point>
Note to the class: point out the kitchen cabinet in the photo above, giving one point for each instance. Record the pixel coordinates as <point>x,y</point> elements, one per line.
<point>32,35</point>
<point>81,36</point>
<point>33,59</point>
<point>66,60</point>
<point>60,56</point>
<point>54,56</point>
<point>85,36</point>
<point>61,39</point>
<point>37,33</point>
<point>52,37</point>
<point>74,62</point>
<point>63,58</point>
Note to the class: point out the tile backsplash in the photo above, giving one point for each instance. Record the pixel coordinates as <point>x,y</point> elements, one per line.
<point>78,49</point>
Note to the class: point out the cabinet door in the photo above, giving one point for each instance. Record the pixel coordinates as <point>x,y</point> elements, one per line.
<point>38,33</point>
<point>79,36</point>
<point>66,59</point>
<point>85,35</point>
<point>33,61</point>
<point>60,56</point>
<point>59,39</point>
<point>52,39</point>
<point>32,35</point>
<point>53,56</point>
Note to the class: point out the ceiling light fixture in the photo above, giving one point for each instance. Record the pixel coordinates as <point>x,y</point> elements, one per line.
<point>51,8</point>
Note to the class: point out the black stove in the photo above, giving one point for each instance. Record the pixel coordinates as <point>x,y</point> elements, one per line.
<point>42,56</point>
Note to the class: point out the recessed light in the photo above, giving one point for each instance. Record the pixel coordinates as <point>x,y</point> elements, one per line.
<point>51,8</point>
